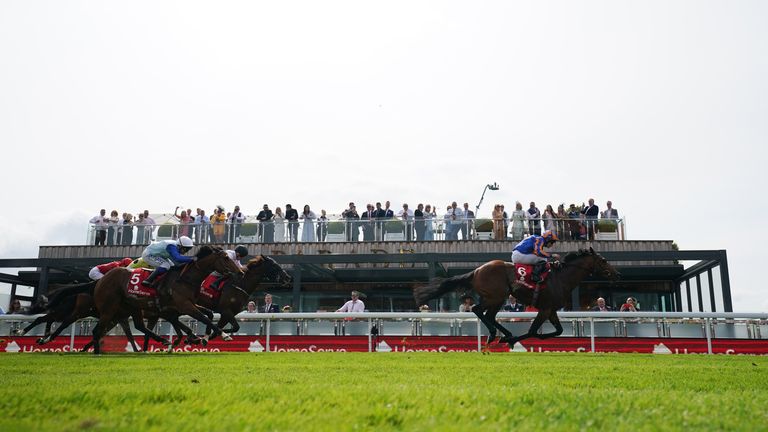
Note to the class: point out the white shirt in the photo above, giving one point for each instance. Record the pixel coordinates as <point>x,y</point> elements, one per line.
<point>353,306</point>
<point>99,221</point>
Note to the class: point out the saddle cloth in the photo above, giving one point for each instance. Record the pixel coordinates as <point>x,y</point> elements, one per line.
<point>523,274</point>
<point>136,289</point>
<point>209,292</point>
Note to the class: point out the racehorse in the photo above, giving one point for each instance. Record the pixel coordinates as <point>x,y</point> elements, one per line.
<point>69,303</point>
<point>494,280</point>
<point>233,298</point>
<point>235,293</point>
<point>183,283</point>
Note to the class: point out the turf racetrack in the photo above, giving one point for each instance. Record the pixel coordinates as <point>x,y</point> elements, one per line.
<point>382,391</point>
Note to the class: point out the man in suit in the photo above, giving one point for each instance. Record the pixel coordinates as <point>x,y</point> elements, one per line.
<point>269,307</point>
<point>367,219</point>
<point>468,225</point>
<point>388,215</point>
<point>601,306</point>
<point>379,215</point>
<point>292,216</point>
<point>591,212</point>
<point>610,212</point>
<point>513,306</point>
<point>419,224</point>
<point>266,226</point>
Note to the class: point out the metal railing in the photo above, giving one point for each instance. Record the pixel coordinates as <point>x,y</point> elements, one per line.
<point>339,230</point>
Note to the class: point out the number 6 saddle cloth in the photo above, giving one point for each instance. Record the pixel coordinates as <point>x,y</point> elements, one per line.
<point>524,273</point>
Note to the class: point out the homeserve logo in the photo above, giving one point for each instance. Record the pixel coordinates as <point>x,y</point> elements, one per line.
<point>311,348</point>
<point>520,348</point>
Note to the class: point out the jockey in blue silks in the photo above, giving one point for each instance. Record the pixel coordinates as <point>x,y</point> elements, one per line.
<point>165,254</point>
<point>531,251</point>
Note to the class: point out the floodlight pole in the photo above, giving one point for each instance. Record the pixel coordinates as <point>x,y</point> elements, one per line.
<point>493,186</point>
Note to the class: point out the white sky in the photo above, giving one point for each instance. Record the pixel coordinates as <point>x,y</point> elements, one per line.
<point>659,106</point>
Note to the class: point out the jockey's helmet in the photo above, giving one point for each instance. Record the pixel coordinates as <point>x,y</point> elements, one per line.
<point>241,250</point>
<point>186,242</point>
<point>125,262</point>
<point>549,236</point>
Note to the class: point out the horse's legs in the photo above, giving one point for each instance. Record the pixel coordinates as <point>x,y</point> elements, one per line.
<point>185,306</point>
<point>555,320</point>
<point>480,311</point>
<point>64,324</point>
<point>39,320</point>
<point>537,322</point>
<point>490,315</point>
<point>138,322</point>
<point>128,333</point>
<point>151,322</point>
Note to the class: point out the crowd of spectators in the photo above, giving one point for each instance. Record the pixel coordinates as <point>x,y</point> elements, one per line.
<point>377,223</point>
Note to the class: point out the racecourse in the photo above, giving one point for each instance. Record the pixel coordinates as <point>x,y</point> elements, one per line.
<point>382,391</point>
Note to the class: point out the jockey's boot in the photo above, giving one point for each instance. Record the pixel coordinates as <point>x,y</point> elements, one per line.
<point>150,280</point>
<point>538,270</point>
<point>216,284</point>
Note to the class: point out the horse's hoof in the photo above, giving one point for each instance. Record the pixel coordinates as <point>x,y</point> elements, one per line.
<point>41,341</point>
<point>504,340</point>
<point>226,337</point>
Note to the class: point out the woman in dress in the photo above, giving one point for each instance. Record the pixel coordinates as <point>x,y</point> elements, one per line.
<point>518,222</point>
<point>185,222</point>
<point>429,216</point>
<point>308,230</point>
<point>498,222</point>
<point>112,225</point>
<point>219,224</point>
<point>549,220</point>
<point>279,221</point>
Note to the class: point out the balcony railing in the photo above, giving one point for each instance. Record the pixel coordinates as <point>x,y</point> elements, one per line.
<point>359,230</point>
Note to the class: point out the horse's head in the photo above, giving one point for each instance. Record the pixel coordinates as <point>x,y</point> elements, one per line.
<point>593,262</point>
<point>265,266</point>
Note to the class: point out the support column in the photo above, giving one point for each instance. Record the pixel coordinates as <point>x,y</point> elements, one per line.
<point>688,294</point>
<point>296,302</point>
<point>711,290</point>
<point>725,282</point>
<point>698,293</point>
<point>42,287</point>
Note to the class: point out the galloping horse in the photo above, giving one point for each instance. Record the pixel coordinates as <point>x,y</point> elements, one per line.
<point>112,300</point>
<point>494,280</point>
<point>69,303</point>
<point>235,293</point>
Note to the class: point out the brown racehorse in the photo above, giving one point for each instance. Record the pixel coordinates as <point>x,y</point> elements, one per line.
<point>236,292</point>
<point>112,300</point>
<point>494,280</point>
<point>69,303</point>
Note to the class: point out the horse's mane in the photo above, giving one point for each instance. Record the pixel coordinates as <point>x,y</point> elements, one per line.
<point>571,256</point>
<point>255,262</point>
<point>207,250</point>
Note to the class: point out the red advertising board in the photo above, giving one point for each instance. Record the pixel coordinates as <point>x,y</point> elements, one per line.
<point>397,344</point>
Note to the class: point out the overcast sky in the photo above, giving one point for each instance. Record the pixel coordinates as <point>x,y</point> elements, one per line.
<point>659,106</point>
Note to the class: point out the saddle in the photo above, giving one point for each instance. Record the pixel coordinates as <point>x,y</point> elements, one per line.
<point>136,289</point>
<point>524,276</point>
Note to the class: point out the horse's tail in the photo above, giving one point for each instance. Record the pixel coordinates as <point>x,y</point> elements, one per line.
<point>68,291</point>
<point>440,286</point>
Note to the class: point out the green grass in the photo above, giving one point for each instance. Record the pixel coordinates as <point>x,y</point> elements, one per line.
<point>370,391</point>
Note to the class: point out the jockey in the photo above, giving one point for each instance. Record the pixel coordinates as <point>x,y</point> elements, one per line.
<point>531,251</point>
<point>99,271</point>
<point>165,254</point>
<point>236,255</point>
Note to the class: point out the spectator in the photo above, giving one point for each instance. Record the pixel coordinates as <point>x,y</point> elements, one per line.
<point>141,227</point>
<point>573,222</point>
<point>99,271</point>
<point>601,306</point>
<point>610,212</point>
<point>202,227</point>
<point>293,222</point>
<point>251,308</point>
<point>15,307</point>
<point>112,223</point>
<point>518,222</point>
<point>534,220</point>
<point>419,224</point>
<point>351,227</point>
<point>467,223</point>
<point>127,229</point>
<point>354,305</point>
<point>429,222</point>
<point>388,215</point>
<point>380,215</point>
<point>513,306</point>
<point>498,222</point>
<point>322,226</point>
<point>234,222</point>
<point>278,220</point>
<point>505,218</point>
<point>308,230</point>
<point>562,218</point>
<point>447,226</point>
<point>100,225</point>
<point>266,225</point>
<point>287,309</point>
<point>467,302</point>
<point>549,220</point>
<point>269,307</point>
<point>457,220</point>
<point>367,221</point>
<point>407,216</point>
<point>185,222</point>
<point>424,308</point>
<point>630,305</point>
<point>590,212</point>
<point>218,225</point>
<point>151,224</point>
